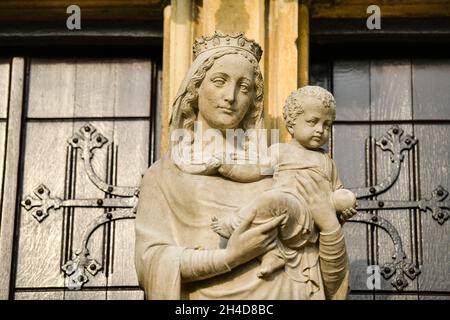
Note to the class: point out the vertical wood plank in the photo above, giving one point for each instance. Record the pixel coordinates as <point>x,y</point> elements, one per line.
<point>351,89</point>
<point>4,86</point>
<point>113,87</point>
<point>349,155</point>
<point>434,151</point>
<point>51,88</point>
<point>96,85</point>
<point>39,252</point>
<point>158,116</point>
<point>431,83</point>
<point>11,172</point>
<point>166,91</point>
<point>131,139</point>
<point>133,87</point>
<point>2,157</point>
<point>390,90</point>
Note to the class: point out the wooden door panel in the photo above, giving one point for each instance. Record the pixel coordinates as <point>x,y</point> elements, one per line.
<point>390,90</point>
<point>434,148</point>
<point>431,83</point>
<point>4,86</point>
<point>2,152</point>
<point>371,97</point>
<point>351,89</point>
<point>4,93</point>
<point>51,86</point>
<point>349,153</point>
<point>132,139</point>
<point>133,85</point>
<point>67,88</point>
<point>39,247</point>
<point>113,98</point>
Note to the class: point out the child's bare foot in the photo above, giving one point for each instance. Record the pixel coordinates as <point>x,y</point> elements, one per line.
<point>270,263</point>
<point>220,228</point>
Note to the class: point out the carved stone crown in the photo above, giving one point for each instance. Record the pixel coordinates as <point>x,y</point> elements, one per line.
<point>219,39</point>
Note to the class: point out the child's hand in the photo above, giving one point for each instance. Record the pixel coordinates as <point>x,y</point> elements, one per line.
<point>347,214</point>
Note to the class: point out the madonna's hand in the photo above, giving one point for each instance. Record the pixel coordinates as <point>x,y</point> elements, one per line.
<point>317,194</point>
<point>248,243</point>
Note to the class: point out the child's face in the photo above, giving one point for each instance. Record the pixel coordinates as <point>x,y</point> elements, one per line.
<point>312,127</point>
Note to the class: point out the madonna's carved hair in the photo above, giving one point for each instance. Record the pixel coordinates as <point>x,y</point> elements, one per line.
<point>293,106</point>
<point>189,103</point>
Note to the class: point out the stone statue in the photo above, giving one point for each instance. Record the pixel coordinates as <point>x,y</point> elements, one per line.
<point>178,255</point>
<point>309,113</point>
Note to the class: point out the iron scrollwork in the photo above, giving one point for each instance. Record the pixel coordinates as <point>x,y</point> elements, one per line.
<point>122,206</point>
<point>122,202</point>
<point>396,143</point>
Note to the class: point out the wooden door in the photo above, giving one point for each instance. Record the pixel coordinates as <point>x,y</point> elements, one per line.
<point>402,103</point>
<point>87,133</point>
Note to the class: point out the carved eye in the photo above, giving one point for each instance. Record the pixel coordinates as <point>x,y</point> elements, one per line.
<point>244,88</point>
<point>311,122</point>
<point>218,82</point>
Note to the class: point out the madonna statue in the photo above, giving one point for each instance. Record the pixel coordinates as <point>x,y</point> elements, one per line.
<point>178,254</point>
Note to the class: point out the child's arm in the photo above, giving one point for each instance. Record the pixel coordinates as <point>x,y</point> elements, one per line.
<point>253,171</point>
<point>244,172</point>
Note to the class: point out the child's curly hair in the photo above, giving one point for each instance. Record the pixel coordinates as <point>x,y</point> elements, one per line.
<point>293,106</point>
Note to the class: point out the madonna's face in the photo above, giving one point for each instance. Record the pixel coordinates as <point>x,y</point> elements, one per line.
<point>226,93</point>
